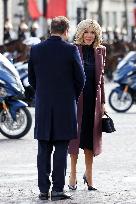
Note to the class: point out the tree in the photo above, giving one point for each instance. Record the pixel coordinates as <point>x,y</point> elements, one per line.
<point>99,11</point>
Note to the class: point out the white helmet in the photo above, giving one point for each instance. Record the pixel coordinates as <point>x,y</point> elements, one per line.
<point>35,25</point>
<point>31,41</point>
<point>23,26</point>
<point>8,25</point>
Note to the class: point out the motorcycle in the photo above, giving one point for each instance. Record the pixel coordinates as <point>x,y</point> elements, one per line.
<point>15,118</point>
<point>123,96</point>
<point>22,68</point>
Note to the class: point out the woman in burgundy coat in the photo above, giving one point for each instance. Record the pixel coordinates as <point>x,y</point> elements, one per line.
<point>91,102</point>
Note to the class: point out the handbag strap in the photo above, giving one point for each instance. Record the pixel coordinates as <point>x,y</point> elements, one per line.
<point>106,115</point>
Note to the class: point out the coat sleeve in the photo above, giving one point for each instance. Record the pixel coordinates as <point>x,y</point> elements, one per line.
<point>102,78</point>
<point>79,75</point>
<point>31,72</point>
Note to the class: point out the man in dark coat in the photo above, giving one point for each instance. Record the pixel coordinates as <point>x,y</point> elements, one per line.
<point>56,74</point>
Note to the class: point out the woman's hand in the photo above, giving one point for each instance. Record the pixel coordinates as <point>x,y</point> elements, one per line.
<point>103,109</point>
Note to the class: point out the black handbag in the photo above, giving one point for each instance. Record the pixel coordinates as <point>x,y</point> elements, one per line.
<point>107,124</point>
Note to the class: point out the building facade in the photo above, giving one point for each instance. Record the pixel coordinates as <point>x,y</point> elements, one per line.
<point>13,11</point>
<point>1,22</point>
<point>113,13</point>
<point>9,11</point>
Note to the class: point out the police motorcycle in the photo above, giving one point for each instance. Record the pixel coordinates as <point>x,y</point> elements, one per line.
<point>22,68</point>
<point>123,96</point>
<point>15,118</point>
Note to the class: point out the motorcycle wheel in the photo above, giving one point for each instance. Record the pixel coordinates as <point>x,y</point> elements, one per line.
<point>16,129</point>
<point>119,102</point>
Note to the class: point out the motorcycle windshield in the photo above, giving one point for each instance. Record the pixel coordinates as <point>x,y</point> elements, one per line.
<point>123,72</point>
<point>131,56</point>
<point>9,74</point>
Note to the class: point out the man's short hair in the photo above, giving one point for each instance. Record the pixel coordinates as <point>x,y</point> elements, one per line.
<point>59,25</point>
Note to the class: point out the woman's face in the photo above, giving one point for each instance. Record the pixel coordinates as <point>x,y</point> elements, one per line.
<point>89,36</point>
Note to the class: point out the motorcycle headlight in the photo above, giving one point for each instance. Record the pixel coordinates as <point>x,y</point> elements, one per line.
<point>3,92</point>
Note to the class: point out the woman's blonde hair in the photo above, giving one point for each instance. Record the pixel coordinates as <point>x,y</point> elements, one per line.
<point>83,26</point>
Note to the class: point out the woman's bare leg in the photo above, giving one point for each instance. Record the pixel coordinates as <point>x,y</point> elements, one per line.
<point>89,163</point>
<point>73,179</point>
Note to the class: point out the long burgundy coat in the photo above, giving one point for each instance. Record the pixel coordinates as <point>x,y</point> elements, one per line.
<point>100,54</point>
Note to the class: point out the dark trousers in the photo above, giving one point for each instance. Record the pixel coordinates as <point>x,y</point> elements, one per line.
<point>45,149</point>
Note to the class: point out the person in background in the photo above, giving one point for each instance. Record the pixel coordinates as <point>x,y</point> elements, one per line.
<point>56,73</point>
<point>91,106</point>
<point>33,31</point>
<point>23,28</point>
<point>7,31</point>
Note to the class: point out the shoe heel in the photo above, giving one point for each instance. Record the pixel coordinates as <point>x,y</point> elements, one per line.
<point>85,180</point>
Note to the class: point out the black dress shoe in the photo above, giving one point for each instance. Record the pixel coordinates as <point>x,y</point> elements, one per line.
<point>43,196</point>
<point>59,196</point>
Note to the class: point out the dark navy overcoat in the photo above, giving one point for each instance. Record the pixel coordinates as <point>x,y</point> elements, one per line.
<point>56,73</point>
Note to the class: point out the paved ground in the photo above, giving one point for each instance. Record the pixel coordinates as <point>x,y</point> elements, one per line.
<point>114,169</point>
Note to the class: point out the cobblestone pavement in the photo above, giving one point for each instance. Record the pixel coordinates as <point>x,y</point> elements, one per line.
<point>114,170</point>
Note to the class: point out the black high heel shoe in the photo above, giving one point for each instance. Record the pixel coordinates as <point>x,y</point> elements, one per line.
<point>73,187</point>
<point>90,188</point>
